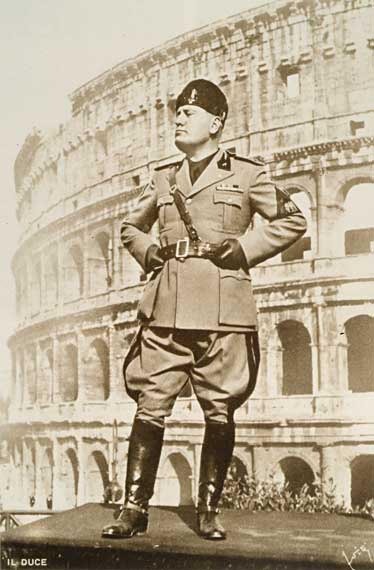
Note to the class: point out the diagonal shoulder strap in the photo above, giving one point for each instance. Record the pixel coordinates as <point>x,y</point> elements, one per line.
<point>181,207</point>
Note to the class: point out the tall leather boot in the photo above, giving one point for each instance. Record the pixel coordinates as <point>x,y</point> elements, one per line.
<point>218,445</point>
<point>143,459</point>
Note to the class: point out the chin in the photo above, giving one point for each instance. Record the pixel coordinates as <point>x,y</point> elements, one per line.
<point>181,144</point>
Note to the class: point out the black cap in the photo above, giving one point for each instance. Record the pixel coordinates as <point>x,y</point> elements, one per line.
<point>204,94</point>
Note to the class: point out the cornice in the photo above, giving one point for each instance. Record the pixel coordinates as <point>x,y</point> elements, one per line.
<point>354,144</point>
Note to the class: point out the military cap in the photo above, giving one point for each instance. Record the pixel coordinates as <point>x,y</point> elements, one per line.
<point>204,94</point>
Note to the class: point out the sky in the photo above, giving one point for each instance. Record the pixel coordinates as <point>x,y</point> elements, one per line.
<point>48,48</point>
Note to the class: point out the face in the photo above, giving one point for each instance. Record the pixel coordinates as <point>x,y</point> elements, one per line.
<point>193,127</point>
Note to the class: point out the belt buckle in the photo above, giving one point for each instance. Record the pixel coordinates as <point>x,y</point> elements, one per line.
<point>182,248</point>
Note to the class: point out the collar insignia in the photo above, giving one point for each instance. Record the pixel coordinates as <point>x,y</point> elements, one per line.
<point>224,162</point>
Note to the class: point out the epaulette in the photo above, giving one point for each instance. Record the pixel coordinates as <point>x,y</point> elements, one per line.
<point>258,161</point>
<point>177,163</point>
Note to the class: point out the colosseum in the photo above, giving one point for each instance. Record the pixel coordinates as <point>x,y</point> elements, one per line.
<point>298,76</point>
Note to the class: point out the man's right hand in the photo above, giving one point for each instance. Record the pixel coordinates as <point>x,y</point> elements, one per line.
<point>153,260</point>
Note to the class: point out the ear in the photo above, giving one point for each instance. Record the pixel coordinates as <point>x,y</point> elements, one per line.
<point>215,125</point>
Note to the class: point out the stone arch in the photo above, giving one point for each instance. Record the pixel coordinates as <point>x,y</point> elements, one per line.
<point>99,262</point>
<point>69,476</point>
<point>296,358</point>
<point>68,373</point>
<point>362,479</point>
<point>295,472</point>
<point>359,332</point>
<point>45,385</point>
<point>298,250</point>
<point>174,486</point>
<point>97,476</point>
<point>344,185</point>
<point>73,273</point>
<point>238,468</point>
<point>357,222</point>
<point>96,371</point>
<point>46,477</point>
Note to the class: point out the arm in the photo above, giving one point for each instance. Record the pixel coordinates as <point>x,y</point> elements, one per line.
<point>135,226</point>
<point>286,223</point>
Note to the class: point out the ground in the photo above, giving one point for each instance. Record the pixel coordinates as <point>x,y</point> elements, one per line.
<point>256,541</point>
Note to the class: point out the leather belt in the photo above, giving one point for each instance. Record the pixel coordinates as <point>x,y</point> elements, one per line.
<point>186,248</point>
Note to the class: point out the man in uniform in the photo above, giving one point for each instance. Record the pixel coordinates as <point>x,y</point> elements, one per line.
<point>197,314</point>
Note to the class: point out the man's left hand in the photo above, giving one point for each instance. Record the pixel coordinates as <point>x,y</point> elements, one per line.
<point>230,255</point>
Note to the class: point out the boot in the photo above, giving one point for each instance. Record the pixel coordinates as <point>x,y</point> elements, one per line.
<point>216,456</point>
<point>142,463</point>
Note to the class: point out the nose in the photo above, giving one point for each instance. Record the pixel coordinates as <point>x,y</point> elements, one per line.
<point>179,120</point>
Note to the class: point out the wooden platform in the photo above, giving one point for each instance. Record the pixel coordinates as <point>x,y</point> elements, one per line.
<point>256,541</point>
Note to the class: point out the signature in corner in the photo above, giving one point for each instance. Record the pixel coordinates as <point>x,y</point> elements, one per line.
<point>357,553</point>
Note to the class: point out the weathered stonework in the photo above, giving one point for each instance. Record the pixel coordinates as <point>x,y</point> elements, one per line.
<point>297,78</point>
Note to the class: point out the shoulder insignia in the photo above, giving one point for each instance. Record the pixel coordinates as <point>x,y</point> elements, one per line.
<point>285,205</point>
<point>175,164</point>
<point>258,161</point>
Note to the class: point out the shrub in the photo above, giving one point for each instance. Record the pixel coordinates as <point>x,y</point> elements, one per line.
<point>270,495</point>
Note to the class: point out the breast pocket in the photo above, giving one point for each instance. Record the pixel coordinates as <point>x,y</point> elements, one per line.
<point>164,204</point>
<point>230,203</point>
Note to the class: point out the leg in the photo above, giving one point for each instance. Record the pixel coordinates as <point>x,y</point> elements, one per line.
<point>216,453</point>
<point>143,459</point>
<point>223,378</point>
<point>154,378</point>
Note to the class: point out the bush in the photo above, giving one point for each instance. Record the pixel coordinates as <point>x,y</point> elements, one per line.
<point>254,495</point>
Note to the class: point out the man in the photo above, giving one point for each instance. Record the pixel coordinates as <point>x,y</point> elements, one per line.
<point>197,313</point>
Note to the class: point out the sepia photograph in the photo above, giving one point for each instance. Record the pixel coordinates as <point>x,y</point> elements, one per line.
<point>187,285</point>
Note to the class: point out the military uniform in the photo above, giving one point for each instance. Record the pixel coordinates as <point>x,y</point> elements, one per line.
<point>197,313</point>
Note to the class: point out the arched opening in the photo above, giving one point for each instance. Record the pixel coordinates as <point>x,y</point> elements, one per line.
<point>99,263</point>
<point>46,377</point>
<point>174,487</point>
<point>30,372</point>
<point>51,279</point>
<point>362,477</point>
<point>299,249</point>
<point>237,471</point>
<point>296,473</point>
<point>96,371</point>
<point>296,358</point>
<point>68,373</point>
<point>358,220</point>
<point>46,478</point>
<point>69,479</point>
<point>97,476</point>
<point>73,274</point>
<point>360,339</point>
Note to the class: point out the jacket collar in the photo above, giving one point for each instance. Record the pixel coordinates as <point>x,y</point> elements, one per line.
<point>218,169</point>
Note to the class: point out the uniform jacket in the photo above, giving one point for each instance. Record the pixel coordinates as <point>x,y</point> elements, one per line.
<point>195,293</point>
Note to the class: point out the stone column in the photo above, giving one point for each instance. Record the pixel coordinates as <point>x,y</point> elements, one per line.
<point>335,473</point>
<point>39,499</point>
<point>80,364</point>
<point>196,470</point>
<point>274,373</point>
<point>55,391</point>
<point>116,387</point>
<point>259,462</point>
<point>82,470</point>
<point>85,269</point>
